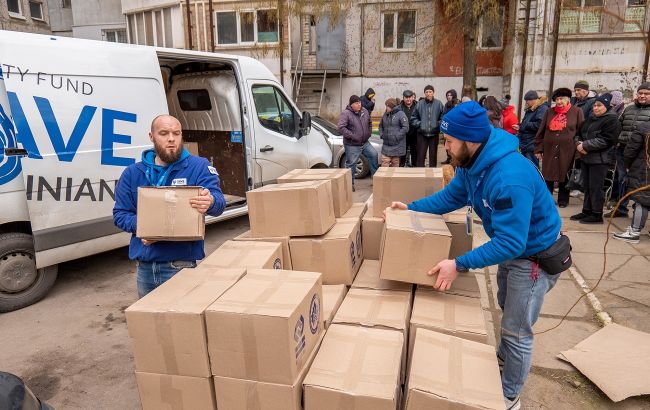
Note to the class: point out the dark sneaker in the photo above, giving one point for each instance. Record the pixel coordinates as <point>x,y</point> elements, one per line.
<point>592,219</point>
<point>631,235</point>
<point>577,217</point>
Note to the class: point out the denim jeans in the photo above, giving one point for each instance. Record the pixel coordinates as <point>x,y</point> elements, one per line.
<point>150,275</point>
<point>352,154</point>
<point>520,298</point>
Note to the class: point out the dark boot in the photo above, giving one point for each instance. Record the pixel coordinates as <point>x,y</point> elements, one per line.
<point>594,218</point>
<point>582,215</point>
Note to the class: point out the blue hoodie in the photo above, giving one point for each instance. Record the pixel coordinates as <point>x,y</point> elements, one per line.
<point>196,171</point>
<point>509,195</point>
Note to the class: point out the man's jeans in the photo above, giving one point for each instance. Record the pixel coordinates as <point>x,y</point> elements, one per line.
<point>352,154</point>
<point>520,297</point>
<point>150,275</point>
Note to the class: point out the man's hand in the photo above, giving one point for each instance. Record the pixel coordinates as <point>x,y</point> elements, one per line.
<point>147,242</point>
<point>394,205</point>
<point>447,274</point>
<point>539,156</point>
<point>203,202</point>
<point>581,149</point>
<point>515,127</point>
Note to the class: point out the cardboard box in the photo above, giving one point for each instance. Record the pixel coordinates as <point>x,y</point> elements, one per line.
<point>265,326</point>
<point>371,231</point>
<point>356,368</point>
<point>403,185</point>
<point>296,209</point>
<point>449,372</point>
<point>368,278</point>
<point>357,210</point>
<point>238,394</point>
<point>163,391</point>
<point>466,284</point>
<point>454,315</point>
<point>461,242</point>
<point>337,254</point>
<point>332,297</point>
<point>412,244</point>
<point>167,327</point>
<point>341,179</point>
<point>164,213</point>
<point>283,240</point>
<point>247,254</point>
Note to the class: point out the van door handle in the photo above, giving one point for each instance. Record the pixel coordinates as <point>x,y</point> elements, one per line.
<point>15,152</point>
<point>266,148</point>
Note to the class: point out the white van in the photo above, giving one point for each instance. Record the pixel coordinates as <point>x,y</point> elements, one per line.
<point>82,111</point>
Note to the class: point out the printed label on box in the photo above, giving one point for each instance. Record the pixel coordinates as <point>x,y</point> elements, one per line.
<point>314,310</point>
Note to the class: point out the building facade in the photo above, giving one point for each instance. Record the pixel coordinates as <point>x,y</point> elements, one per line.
<point>30,16</point>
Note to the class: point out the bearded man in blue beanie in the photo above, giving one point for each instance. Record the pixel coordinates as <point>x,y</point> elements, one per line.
<point>510,196</point>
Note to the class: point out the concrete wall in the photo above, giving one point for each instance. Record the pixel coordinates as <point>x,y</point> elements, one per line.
<point>24,22</point>
<point>60,18</point>
<point>131,6</point>
<point>92,16</point>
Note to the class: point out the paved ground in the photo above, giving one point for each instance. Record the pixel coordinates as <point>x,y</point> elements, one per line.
<point>73,348</point>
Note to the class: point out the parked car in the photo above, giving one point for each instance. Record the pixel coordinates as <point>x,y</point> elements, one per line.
<point>331,132</point>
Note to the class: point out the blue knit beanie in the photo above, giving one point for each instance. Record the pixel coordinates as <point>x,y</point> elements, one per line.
<point>467,122</point>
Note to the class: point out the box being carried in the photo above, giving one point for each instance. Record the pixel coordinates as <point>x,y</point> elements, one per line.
<point>246,254</point>
<point>461,241</point>
<point>283,240</point>
<point>449,372</point>
<point>165,214</point>
<point>265,326</point>
<point>412,244</point>
<point>371,231</point>
<point>403,185</point>
<point>341,184</point>
<point>337,254</point>
<point>296,209</point>
<point>356,368</point>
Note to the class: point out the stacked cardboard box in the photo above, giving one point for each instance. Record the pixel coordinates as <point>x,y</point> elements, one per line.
<point>341,180</point>
<point>261,335</point>
<point>332,298</point>
<point>246,254</point>
<point>357,210</point>
<point>168,336</point>
<point>371,230</point>
<point>356,368</point>
<point>283,240</point>
<point>449,372</point>
<point>368,278</point>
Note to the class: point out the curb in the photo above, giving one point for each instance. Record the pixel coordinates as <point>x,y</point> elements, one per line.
<point>603,317</point>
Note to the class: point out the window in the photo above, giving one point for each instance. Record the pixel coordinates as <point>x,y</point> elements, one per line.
<point>151,27</point>
<point>634,16</point>
<point>247,27</point>
<point>66,4</point>
<point>398,30</point>
<point>14,7</point>
<point>115,36</point>
<point>36,10</point>
<point>581,16</point>
<point>313,36</point>
<point>273,110</point>
<point>491,30</point>
<point>194,100</point>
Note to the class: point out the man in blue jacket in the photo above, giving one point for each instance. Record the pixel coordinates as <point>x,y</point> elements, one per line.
<point>510,196</point>
<point>167,164</point>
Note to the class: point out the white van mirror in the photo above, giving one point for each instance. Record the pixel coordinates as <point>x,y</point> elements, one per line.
<point>305,124</point>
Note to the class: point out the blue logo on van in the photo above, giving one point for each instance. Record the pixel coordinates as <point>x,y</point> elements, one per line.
<point>10,167</point>
<point>236,136</point>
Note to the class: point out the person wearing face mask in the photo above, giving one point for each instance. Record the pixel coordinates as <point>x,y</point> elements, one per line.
<point>598,134</point>
<point>554,145</point>
<point>508,194</point>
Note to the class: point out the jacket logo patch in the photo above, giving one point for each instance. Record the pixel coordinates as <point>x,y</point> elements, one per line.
<point>486,205</point>
<point>502,204</point>
<point>179,181</point>
<point>212,170</point>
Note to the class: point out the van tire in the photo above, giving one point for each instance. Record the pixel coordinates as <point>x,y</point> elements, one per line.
<point>17,249</point>
<point>363,166</point>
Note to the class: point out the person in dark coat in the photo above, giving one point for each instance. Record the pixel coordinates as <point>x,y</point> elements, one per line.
<point>452,98</point>
<point>633,116</point>
<point>368,100</point>
<point>426,119</point>
<point>408,105</point>
<point>554,144</point>
<point>355,126</point>
<point>584,99</point>
<point>392,130</point>
<point>494,111</point>
<point>637,152</point>
<point>536,106</point>
<point>597,136</point>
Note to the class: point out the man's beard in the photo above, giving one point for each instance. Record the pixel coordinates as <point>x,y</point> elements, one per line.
<point>463,157</point>
<point>165,156</point>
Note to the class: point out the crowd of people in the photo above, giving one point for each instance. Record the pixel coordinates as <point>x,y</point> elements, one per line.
<point>595,133</point>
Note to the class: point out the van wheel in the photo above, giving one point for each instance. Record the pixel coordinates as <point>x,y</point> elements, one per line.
<point>363,167</point>
<point>21,284</point>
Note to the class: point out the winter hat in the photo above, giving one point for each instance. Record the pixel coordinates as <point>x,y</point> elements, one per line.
<point>644,86</point>
<point>354,99</point>
<point>617,98</point>
<point>531,95</point>
<point>408,93</point>
<point>605,99</point>
<point>370,93</point>
<point>561,92</point>
<point>428,87</point>
<point>582,84</point>
<point>467,122</point>
<point>391,102</point>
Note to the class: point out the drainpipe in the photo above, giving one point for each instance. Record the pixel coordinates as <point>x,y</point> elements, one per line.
<point>647,56</point>
<point>556,34</point>
<point>524,54</point>
<point>189,25</point>
<point>212,25</point>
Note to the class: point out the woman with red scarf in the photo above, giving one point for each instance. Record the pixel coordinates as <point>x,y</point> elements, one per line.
<point>554,145</point>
